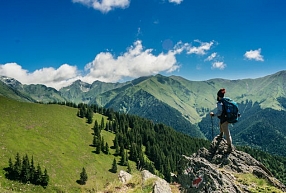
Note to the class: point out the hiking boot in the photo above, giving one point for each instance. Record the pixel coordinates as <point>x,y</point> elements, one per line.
<point>230,148</point>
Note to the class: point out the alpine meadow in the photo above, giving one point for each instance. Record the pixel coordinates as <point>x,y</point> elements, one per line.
<point>147,123</point>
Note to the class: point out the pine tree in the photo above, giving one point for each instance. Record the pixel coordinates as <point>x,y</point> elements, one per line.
<point>83,176</point>
<point>89,115</point>
<point>102,144</point>
<point>96,129</point>
<point>17,167</point>
<point>38,175</point>
<point>98,146</point>
<point>114,166</point>
<point>128,167</point>
<point>94,141</point>
<point>123,160</point>
<point>45,179</point>
<point>25,171</point>
<point>32,171</point>
<point>106,148</point>
<point>11,170</point>
<point>102,123</point>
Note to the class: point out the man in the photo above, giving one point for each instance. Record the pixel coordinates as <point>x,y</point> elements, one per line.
<point>223,121</point>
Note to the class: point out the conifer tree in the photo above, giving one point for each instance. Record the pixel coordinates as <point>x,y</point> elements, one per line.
<point>107,127</point>
<point>17,167</point>
<point>45,179</point>
<point>96,129</point>
<point>102,123</point>
<point>38,175</point>
<point>123,160</point>
<point>11,170</point>
<point>106,148</point>
<point>115,142</point>
<point>102,144</point>
<point>25,171</point>
<point>128,167</point>
<point>83,176</point>
<point>94,141</point>
<point>32,171</point>
<point>114,166</point>
<point>117,151</point>
<point>121,150</point>
<point>98,147</point>
<point>89,115</point>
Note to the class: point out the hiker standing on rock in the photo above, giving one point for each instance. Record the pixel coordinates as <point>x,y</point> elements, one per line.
<point>221,114</point>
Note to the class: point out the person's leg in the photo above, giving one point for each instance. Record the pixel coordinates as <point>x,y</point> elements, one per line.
<point>225,130</point>
<point>221,131</point>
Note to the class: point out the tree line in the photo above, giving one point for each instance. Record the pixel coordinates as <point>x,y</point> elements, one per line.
<point>24,170</point>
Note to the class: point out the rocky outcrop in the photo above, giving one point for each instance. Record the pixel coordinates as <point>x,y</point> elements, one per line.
<point>218,170</point>
<point>159,186</point>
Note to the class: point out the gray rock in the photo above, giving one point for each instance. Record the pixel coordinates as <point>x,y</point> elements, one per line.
<point>160,185</point>
<point>214,170</point>
<point>124,177</point>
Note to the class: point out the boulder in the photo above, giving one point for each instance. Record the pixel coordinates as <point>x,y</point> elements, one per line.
<point>215,170</point>
<point>160,185</point>
<point>124,177</point>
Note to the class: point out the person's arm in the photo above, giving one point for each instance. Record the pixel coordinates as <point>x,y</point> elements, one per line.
<point>219,110</point>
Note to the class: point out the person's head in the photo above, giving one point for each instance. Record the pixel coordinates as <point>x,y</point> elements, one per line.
<point>220,94</point>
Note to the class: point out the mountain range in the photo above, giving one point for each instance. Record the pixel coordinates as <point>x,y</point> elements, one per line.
<point>181,103</point>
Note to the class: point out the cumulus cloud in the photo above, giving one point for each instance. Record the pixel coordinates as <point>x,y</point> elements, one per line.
<point>56,78</point>
<point>218,65</point>
<point>254,55</point>
<point>104,5</point>
<point>135,62</point>
<point>176,1</point>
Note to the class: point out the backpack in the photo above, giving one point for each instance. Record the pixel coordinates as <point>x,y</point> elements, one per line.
<point>230,110</point>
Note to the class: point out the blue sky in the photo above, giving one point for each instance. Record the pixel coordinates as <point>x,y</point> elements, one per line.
<point>55,42</point>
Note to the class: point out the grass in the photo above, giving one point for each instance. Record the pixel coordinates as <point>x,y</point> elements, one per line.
<point>58,140</point>
<point>256,185</point>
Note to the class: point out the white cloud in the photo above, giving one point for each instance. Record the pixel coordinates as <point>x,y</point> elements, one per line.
<point>190,49</point>
<point>135,62</point>
<point>104,5</point>
<point>176,1</point>
<point>254,55</point>
<point>51,77</point>
<point>211,57</point>
<point>219,65</point>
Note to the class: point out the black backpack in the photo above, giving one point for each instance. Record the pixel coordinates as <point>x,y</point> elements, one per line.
<point>230,110</point>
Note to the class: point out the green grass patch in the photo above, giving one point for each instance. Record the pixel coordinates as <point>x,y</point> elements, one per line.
<point>59,141</point>
<point>256,185</point>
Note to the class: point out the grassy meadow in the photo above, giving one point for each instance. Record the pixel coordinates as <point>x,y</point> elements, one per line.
<point>59,141</point>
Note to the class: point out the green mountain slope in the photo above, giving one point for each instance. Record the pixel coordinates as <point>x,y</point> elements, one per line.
<point>147,98</point>
<point>6,90</point>
<point>43,94</point>
<point>58,140</point>
<point>144,104</point>
<point>81,92</point>
<point>33,93</point>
